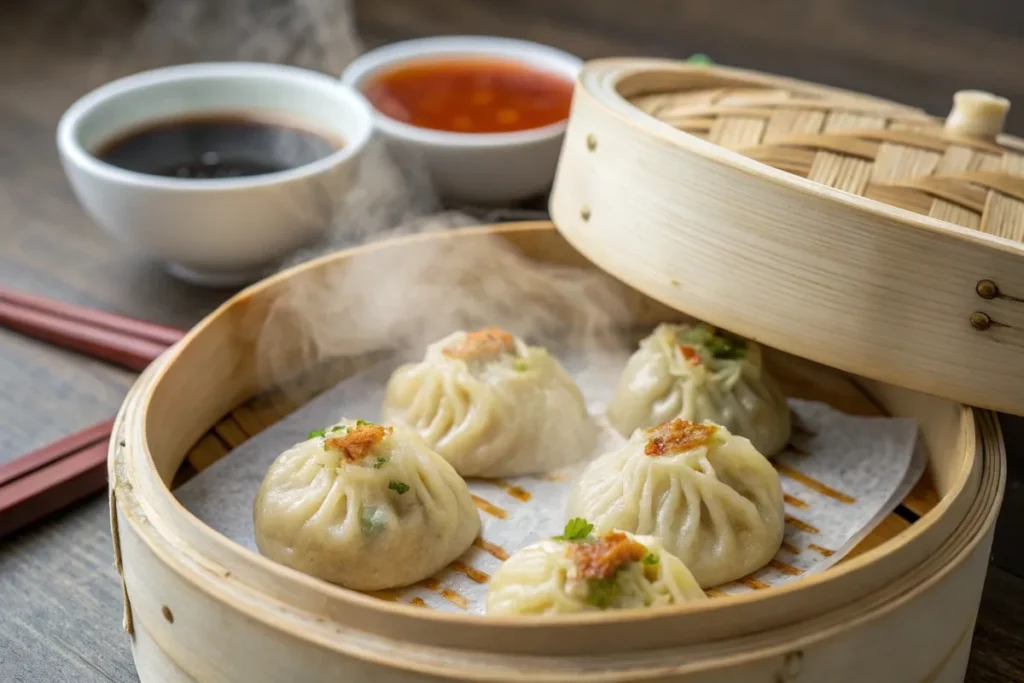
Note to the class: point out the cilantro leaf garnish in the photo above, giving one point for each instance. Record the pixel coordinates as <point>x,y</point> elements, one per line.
<point>398,487</point>
<point>316,433</point>
<point>576,529</point>
<point>380,462</point>
<point>725,348</point>
<point>698,335</point>
<point>651,559</point>
<point>363,423</point>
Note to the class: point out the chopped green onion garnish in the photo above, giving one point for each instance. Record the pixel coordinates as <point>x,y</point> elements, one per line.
<point>651,558</point>
<point>316,433</point>
<point>372,520</point>
<point>520,365</point>
<point>699,58</point>
<point>398,487</point>
<point>721,345</point>
<point>380,462</point>
<point>602,592</point>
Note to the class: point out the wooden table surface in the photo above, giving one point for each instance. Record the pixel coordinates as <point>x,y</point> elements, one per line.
<point>60,601</point>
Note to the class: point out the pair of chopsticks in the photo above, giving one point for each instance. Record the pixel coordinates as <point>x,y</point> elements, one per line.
<point>132,344</point>
<point>55,476</point>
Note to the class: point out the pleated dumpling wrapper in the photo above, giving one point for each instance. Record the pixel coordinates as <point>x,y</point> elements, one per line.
<point>699,373</point>
<point>579,572</point>
<point>365,506</point>
<point>707,495</point>
<point>492,406</point>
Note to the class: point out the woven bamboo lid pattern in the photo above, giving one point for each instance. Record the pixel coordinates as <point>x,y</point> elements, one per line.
<point>954,171</point>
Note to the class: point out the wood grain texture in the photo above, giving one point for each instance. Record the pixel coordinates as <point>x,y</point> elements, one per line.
<point>1001,630</point>
<point>64,624</point>
<point>60,602</point>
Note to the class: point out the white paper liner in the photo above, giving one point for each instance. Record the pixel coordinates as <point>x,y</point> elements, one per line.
<point>844,475</point>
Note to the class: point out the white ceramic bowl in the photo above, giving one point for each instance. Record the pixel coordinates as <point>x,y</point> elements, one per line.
<point>223,231</point>
<point>482,168</point>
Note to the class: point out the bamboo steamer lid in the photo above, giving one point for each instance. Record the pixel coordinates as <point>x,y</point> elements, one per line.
<point>857,232</point>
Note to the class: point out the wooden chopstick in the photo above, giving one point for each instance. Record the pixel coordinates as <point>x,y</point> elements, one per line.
<point>45,456</point>
<point>117,323</point>
<point>50,478</point>
<point>132,344</point>
<point>51,488</point>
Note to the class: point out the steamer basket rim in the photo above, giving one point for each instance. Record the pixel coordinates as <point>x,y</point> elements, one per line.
<point>496,624</point>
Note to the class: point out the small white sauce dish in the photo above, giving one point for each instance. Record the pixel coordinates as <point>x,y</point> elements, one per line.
<point>477,168</point>
<point>215,231</point>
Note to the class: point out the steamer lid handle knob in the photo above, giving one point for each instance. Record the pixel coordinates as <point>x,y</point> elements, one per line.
<point>977,114</point>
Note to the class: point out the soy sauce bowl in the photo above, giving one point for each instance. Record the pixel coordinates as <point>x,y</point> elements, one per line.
<point>477,168</point>
<point>216,231</point>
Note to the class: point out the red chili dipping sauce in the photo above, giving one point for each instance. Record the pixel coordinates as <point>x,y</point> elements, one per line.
<point>471,95</point>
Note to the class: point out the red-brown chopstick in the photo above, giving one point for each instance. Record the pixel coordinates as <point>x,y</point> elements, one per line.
<point>132,344</point>
<point>47,455</point>
<point>55,476</point>
<point>160,334</point>
<point>62,482</point>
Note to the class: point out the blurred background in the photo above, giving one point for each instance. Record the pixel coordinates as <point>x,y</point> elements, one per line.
<point>917,51</point>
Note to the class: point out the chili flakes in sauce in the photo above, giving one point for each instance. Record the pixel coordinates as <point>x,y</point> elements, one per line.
<point>471,95</point>
<point>357,443</point>
<point>605,556</point>
<point>678,436</point>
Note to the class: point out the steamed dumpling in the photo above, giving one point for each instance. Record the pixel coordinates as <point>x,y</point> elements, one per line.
<point>614,571</point>
<point>698,373</point>
<point>492,406</point>
<point>707,495</point>
<point>365,506</point>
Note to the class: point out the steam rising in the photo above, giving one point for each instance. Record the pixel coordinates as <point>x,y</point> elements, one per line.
<point>394,298</point>
<point>401,298</point>
<point>314,34</point>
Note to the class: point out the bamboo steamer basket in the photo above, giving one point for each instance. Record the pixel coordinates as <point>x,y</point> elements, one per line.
<point>199,607</point>
<point>856,232</point>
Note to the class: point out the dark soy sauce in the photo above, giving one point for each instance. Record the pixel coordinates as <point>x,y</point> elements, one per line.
<point>215,146</point>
